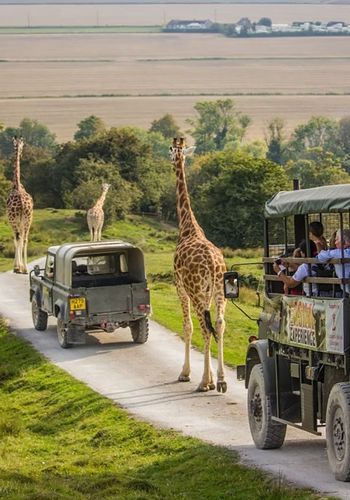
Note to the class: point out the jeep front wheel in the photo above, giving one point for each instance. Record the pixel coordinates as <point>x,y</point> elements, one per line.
<point>139,331</point>
<point>266,433</point>
<point>338,431</point>
<point>62,334</point>
<point>39,316</point>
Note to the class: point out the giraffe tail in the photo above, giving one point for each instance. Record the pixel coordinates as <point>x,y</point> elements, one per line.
<point>209,324</point>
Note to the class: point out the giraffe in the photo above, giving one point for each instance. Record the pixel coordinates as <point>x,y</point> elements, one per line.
<point>199,267</point>
<point>19,208</point>
<point>95,215</point>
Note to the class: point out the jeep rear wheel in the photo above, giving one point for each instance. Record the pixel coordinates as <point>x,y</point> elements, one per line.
<point>62,334</point>
<point>266,433</point>
<point>39,316</point>
<point>338,431</point>
<point>139,331</point>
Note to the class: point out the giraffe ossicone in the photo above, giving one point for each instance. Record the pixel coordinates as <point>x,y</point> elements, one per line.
<point>95,215</point>
<point>19,209</point>
<point>199,267</point>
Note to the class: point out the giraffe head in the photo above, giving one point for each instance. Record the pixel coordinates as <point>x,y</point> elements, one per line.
<point>18,144</point>
<point>178,151</point>
<point>105,187</point>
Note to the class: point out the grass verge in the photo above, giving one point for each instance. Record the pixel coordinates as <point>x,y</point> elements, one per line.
<point>59,439</point>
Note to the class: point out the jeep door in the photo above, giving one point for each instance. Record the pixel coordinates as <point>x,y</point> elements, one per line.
<point>47,283</point>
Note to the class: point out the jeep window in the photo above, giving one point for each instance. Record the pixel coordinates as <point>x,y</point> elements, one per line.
<point>50,266</point>
<point>102,269</point>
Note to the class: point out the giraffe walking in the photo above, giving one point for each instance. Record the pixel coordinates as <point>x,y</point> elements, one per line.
<point>199,267</point>
<point>19,208</point>
<point>96,216</point>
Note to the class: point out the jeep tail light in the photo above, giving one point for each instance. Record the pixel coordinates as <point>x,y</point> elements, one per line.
<point>144,308</point>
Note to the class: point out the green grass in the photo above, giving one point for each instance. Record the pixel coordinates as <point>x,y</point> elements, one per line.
<point>61,440</point>
<point>157,239</point>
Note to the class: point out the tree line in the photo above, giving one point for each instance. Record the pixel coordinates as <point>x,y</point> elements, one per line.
<point>229,178</point>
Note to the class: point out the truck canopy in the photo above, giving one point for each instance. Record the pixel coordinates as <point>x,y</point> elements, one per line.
<point>322,199</point>
<point>65,254</point>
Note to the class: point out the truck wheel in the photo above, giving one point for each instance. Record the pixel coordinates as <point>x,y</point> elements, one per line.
<point>139,331</point>
<point>266,433</point>
<point>62,334</point>
<point>338,431</point>
<point>39,316</point>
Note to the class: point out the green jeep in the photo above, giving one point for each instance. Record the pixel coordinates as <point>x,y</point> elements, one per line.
<point>91,285</point>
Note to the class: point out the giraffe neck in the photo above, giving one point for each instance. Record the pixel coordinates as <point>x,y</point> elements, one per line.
<point>99,203</point>
<point>187,221</point>
<point>17,173</point>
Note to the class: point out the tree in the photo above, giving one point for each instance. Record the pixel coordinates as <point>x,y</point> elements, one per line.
<point>218,126</point>
<point>344,134</point>
<point>167,126</point>
<point>265,21</point>
<point>34,134</point>
<point>318,132</point>
<point>274,138</point>
<point>89,128</point>
<point>228,193</point>
<point>5,187</point>
<point>318,168</point>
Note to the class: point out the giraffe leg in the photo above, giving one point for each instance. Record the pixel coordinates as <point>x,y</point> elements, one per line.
<point>220,301</point>
<point>16,265</point>
<point>207,382</point>
<point>185,375</point>
<point>25,249</point>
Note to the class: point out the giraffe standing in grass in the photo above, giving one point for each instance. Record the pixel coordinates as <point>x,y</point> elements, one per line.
<point>19,208</point>
<point>199,267</point>
<point>96,216</point>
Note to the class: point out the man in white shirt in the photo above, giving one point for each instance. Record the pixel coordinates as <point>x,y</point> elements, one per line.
<point>341,270</point>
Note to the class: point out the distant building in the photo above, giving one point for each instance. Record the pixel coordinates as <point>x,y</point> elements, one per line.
<point>189,25</point>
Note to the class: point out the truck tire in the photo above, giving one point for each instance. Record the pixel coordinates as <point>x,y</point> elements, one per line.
<point>266,433</point>
<point>39,316</point>
<point>62,334</point>
<point>338,431</point>
<point>139,330</point>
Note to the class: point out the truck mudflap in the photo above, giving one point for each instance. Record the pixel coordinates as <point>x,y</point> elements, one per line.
<point>76,334</point>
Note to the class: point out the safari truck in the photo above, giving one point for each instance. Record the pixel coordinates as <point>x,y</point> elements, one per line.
<point>88,286</point>
<point>297,370</point>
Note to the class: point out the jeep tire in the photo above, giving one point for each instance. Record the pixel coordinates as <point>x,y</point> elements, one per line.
<point>39,316</point>
<point>266,433</point>
<point>62,334</point>
<point>139,330</point>
<point>338,431</point>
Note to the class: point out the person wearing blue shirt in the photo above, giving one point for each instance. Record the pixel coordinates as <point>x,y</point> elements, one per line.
<point>341,270</point>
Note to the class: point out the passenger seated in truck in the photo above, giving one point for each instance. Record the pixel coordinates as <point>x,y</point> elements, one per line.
<point>316,235</point>
<point>300,273</point>
<point>338,253</point>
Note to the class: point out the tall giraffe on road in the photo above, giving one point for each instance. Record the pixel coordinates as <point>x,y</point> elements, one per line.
<point>19,208</point>
<point>199,267</point>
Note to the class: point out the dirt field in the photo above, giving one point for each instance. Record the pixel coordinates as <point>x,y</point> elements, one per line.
<point>136,78</point>
<point>80,15</point>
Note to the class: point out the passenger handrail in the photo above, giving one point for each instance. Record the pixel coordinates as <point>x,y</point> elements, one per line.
<point>306,260</point>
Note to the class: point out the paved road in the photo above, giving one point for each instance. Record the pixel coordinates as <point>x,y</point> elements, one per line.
<point>143,380</point>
